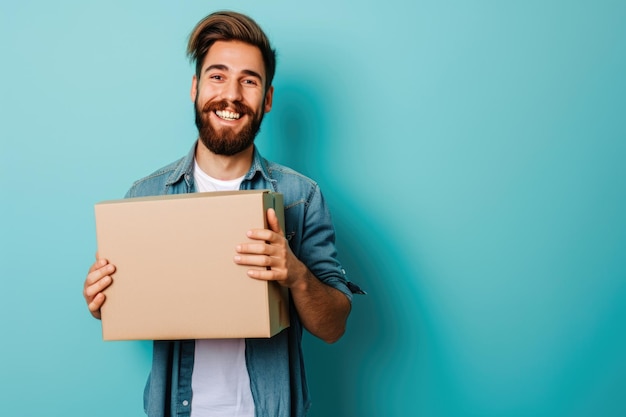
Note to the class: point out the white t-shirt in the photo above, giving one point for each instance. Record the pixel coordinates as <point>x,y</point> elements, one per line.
<point>220,382</point>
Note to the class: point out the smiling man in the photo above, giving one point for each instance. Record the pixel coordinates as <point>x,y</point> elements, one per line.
<point>231,91</point>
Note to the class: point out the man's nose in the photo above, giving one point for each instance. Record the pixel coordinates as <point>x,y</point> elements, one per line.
<point>232,91</point>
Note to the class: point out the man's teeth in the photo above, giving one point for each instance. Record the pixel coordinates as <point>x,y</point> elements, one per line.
<point>227,115</point>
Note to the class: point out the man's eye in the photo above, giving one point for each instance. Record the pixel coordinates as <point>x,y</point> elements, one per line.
<point>216,77</point>
<point>250,82</point>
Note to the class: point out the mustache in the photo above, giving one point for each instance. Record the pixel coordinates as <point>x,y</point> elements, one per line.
<point>238,106</point>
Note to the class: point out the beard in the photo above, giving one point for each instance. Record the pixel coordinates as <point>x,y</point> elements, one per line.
<point>225,141</point>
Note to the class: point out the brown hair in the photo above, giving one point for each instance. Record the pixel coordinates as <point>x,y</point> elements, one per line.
<point>230,26</point>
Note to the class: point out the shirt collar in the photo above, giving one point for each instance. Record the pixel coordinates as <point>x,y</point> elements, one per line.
<point>184,169</point>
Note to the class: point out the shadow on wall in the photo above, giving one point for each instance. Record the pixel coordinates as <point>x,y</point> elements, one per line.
<point>375,365</point>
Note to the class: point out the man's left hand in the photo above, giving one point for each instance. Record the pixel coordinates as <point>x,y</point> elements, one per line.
<point>271,251</point>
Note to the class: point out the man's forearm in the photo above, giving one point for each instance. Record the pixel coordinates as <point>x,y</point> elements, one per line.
<point>323,309</point>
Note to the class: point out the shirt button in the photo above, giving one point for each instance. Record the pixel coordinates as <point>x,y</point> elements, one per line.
<point>185,403</point>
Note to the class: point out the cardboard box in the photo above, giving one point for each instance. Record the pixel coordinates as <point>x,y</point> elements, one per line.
<point>175,276</point>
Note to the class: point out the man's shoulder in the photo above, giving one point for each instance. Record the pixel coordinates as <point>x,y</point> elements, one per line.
<point>157,182</point>
<point>296,187</point>
<point>283,173</point>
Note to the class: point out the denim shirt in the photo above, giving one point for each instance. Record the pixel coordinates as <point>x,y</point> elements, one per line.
<point>275,365</point>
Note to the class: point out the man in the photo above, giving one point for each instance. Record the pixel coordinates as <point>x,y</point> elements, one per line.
<point>232,90</point>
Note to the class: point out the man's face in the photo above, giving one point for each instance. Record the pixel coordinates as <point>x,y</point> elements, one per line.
<point>230,97</point>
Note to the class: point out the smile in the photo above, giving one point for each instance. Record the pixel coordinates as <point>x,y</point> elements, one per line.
<point>227,115</point>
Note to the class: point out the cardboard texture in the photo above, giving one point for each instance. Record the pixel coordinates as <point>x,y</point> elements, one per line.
<point>175,276</point>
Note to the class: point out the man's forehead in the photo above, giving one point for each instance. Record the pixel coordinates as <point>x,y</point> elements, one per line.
<point>235,56</point>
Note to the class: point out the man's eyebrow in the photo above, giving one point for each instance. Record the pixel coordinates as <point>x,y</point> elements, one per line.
<point>252,74</point>
<point>222,67</point>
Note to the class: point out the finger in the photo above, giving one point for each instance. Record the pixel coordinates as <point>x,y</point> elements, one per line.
<point>260,248</point>
<point>94,289</point>
<point>97,274</point>
<point>272,221</point>
<point>254,260</point>
<point>264,274</point>
<point>99,263</point>
<point>265,235</point>
<point>96,304</point>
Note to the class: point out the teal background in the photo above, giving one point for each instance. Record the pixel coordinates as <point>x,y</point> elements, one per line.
<point>472,153</point>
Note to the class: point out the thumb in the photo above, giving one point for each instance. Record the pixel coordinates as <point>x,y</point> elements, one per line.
<point>272,221</point>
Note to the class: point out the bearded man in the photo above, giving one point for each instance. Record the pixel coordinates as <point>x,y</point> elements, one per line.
<point>231,91</point>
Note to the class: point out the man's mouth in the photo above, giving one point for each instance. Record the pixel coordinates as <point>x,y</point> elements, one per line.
<point>227,115</point>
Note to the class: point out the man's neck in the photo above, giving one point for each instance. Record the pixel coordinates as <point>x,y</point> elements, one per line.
<point>224,167</point>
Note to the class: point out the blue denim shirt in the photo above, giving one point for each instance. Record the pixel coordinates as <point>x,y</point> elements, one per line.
<point>275,365</point>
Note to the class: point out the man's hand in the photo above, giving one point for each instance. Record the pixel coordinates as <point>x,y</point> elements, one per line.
<point>323,310</point>
<point>98,279</point>
<point>271,251</point>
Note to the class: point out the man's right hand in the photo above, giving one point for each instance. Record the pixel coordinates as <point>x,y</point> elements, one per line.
<point>98,279</point>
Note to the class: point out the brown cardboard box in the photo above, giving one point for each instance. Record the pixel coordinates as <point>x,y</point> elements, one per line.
<point>175,276</point>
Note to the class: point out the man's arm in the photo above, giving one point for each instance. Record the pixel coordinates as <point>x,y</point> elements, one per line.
<point>323,310</point>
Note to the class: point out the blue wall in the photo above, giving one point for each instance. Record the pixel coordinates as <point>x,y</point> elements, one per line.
<point>472,154</point>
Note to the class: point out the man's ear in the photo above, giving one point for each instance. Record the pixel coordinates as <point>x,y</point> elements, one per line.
<point>194,88</point>
<point>269,96</point>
